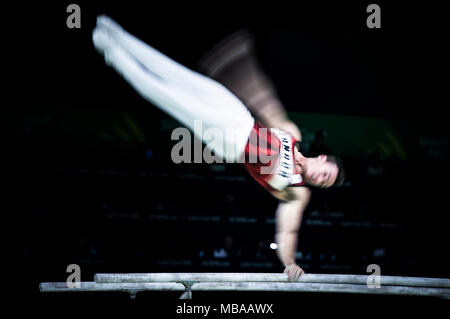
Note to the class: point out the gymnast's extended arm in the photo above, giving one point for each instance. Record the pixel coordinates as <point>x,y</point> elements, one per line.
<point>288,220</point>
<point>234,63</point>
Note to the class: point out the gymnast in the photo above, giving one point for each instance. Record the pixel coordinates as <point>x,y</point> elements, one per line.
<point>268,146</point>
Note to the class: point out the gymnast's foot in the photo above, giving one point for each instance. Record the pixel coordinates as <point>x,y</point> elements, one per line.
<point>111,26</point>
<point>103,43</point>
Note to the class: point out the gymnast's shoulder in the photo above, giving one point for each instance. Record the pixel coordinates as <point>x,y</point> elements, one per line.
<point>289,194</point>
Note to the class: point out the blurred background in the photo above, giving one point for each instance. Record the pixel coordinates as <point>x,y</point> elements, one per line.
<point>92,180</point>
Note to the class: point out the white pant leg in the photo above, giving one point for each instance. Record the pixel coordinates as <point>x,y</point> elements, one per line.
<point>168,69</point>
<point>151,58</point>
<point>215,106</point>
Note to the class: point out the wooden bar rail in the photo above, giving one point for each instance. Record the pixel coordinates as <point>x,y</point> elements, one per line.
<point>188,282</point>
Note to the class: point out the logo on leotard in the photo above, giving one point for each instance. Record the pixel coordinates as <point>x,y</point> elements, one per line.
<point>283,172</point>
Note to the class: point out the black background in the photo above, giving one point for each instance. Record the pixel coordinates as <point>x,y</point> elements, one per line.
<point>395,72</point>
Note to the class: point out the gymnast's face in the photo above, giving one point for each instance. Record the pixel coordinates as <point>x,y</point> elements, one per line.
<point>319,172</point>
<point>316,171</point>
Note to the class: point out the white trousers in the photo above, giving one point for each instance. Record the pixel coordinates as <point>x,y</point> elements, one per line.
<point>186,95</point>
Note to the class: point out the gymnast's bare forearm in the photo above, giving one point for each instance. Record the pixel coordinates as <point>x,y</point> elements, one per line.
<point>287,245</point>
<point>289,215</point>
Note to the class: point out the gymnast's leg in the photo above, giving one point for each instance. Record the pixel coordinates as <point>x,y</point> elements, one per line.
<point>155,80</point>
<point>211,91</point>
<point>154,60</point>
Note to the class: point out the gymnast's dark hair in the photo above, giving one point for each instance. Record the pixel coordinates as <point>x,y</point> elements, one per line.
<point>340,178</point>
<point>341,172</point>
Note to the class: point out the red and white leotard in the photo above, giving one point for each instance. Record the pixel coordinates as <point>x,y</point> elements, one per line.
<point>279,172</point>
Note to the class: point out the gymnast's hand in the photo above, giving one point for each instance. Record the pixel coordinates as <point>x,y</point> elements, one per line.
<point>289,127</point>
<point>294,271</point>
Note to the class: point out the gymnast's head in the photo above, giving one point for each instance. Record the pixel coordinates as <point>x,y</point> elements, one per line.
<point>322,171</point>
